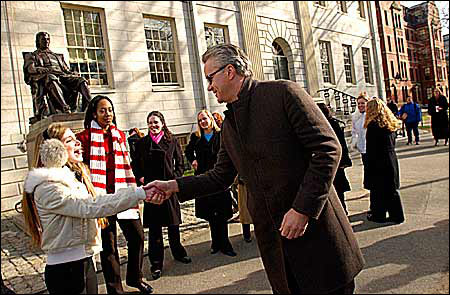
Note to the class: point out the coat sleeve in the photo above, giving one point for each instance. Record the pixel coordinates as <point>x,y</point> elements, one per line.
<point>60,199</point>
<point>316,135</point>
<point>189,151</point>
<point>216,180</point>
<point>137,158</point>
<point>178,158</point>
<point>84,138</point>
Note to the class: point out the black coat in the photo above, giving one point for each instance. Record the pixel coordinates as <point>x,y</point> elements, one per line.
<point>278,140</point>
<point>340,182</point>
<point>215,206</point>
<point>439,119</point>
<point>382,163</point>
<point>132,140</point>
<point>163,161</point>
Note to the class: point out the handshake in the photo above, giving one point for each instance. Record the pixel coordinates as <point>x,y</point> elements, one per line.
<point>158,191</point>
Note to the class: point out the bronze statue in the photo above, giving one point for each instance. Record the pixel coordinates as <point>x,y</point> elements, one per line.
<point>54,87</point>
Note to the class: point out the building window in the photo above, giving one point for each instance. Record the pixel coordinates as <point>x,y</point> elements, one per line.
<point>439,73</point>
<point>389,43</point>
<point>280,62</point>
<point>86,45</point>
<point>411,74</point>
<point>427,73</point>
<point>325,60</point>
<point>161,50</point>
<point>386,17</point>
<point>361,9</point>
<point>348,64</point>
<point>320,3</point>
<point>392,69</point>
<point>342,6</point>
<point>410,54</point>
<point>407,34</point>
<point>429,92</point>
<point>367,64</point>
<point>215,34</point>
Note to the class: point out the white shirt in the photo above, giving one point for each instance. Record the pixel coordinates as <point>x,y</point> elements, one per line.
<point>358,131</point>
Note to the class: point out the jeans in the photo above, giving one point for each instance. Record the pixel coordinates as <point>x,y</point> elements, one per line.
<point>415,128</point>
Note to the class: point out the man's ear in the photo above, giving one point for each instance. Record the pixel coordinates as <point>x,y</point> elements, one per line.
<point>231,72</point>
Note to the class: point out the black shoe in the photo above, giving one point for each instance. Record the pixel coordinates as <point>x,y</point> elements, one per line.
<point>143,287</point>
<point>214,251</point>
<point>396,220</point>
<point>436,143</point>
<point>417,143</point>
<point>408,143</point>
<point>248,239</point>
<point>185,259</point>
<point>373,218</point>
<point>156,274</point>
<point>229,252</point>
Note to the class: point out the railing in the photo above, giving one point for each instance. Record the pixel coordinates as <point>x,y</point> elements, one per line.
<point>341,107</point>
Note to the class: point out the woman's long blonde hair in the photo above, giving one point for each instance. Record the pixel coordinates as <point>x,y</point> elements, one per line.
<point>29,210</point>
<point>378,111</point>
<point>212,125</point>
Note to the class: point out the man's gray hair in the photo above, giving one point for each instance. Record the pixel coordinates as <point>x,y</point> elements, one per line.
<point>225,54</point>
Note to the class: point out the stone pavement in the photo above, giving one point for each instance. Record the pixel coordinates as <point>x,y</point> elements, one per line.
<point>408,258</point>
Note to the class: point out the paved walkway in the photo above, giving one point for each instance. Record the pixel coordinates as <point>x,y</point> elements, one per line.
<point>407,258</point>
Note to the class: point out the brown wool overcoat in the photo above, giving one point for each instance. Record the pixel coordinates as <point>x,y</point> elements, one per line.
<point>281,144</point>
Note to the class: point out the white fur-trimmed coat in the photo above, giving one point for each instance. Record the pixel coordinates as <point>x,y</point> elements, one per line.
<point>68,213</point>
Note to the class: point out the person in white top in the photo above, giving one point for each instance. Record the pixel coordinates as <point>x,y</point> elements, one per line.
<point>359,132</point>
<point>64,215</point>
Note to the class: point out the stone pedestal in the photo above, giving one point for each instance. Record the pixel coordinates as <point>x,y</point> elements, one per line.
<point>74,121</point>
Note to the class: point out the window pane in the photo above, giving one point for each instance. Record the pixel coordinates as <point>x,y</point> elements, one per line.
<point>83,31</point>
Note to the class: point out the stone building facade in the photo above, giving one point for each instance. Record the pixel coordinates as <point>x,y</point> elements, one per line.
<point>146,55</point>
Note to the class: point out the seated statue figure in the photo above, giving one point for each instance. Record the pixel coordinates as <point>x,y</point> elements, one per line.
<point>54,87</point>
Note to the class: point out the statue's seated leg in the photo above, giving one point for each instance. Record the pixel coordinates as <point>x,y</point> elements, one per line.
<point>86,95</point>
<point>56,95</point>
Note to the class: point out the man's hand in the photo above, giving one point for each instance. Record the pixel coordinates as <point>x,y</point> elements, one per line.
<point>166,187</point>
<point>194,165</point>
<point>294,224</point>
<point>153,195</point>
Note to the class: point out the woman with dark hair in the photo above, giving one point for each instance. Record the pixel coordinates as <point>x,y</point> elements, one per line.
<point>64,214</point>
<point>201,152</point>
<point>105,153</point>
<point>437,108</point>
<point>340,182</point>
<point>158,155</point>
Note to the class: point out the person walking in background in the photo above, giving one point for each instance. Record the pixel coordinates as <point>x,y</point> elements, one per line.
<point>340,182</point>
<point>134,134</point>
<point>359,132</point>
<point>392,105</point>
<point>105,153</point>
<point>201,152</point>
<point>383,169</point>
<point>437,108</point>
<point>158,155</point>
<point>412,115</point>
<point>277,139</point>
<point>62,212</point>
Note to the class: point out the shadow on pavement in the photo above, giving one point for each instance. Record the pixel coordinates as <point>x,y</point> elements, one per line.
<point>365,225</point>
<point>246,285</point>
<point>424,183</point>
<point>420,253</point>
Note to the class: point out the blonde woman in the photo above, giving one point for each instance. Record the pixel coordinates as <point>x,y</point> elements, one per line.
<point>383,169</point>
<point>201,152</point>
<point>60,207</point>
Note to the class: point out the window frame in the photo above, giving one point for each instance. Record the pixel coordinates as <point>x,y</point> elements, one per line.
<point>361,10</point>
<point>226,34</point>
<point>342,6</point>
<point>329,60</point>
<point>107,53</point>
<point>176,53</point>
<point>369,77</point>
<point>349,50</point>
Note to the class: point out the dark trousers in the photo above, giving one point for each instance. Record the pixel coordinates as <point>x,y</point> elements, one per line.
<point>412,127</point>
<point>384,200</point>
<point>364,161</point>
<point>75,277</point>
<point>156,245</point>
<point>134,234</point>
<point>219,235</point>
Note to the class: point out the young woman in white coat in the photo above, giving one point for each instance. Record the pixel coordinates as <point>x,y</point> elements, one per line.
<point>64,215</point>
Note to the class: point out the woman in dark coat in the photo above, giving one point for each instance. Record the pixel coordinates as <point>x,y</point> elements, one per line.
<point>437,108</point>
<point>341,184</point>
<point>383,169</point>
<point>201,152</point>
<point>158,155</point>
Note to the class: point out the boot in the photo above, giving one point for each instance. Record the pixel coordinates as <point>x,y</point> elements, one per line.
<point>86,94</point>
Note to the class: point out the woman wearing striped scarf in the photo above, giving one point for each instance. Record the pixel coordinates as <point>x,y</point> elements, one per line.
<point>105,153</point>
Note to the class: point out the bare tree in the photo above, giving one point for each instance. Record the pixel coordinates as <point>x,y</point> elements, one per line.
<point>444,17</point>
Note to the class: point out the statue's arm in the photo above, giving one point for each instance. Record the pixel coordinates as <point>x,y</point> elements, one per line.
<point>32,68</point>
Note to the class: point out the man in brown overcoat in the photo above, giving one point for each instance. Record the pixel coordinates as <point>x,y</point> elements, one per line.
<point>278,140</point>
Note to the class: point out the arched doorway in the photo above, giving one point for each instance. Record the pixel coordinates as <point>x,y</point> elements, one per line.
<point>280,62</point>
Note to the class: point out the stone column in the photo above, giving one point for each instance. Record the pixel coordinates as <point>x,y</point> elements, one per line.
<point>250,35</point>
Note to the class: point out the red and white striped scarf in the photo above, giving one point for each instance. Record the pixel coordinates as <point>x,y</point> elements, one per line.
<point>124,176</point>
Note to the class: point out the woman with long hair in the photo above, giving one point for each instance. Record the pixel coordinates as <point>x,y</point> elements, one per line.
<point>60,207</point>
<point>437,108</point>
<point>383,169</point>
<point>201,152</point>
<point>158,155</point>
<point>105,152</point>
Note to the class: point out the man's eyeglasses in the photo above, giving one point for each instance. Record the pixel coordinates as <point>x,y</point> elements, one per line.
<point>211,76</point>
